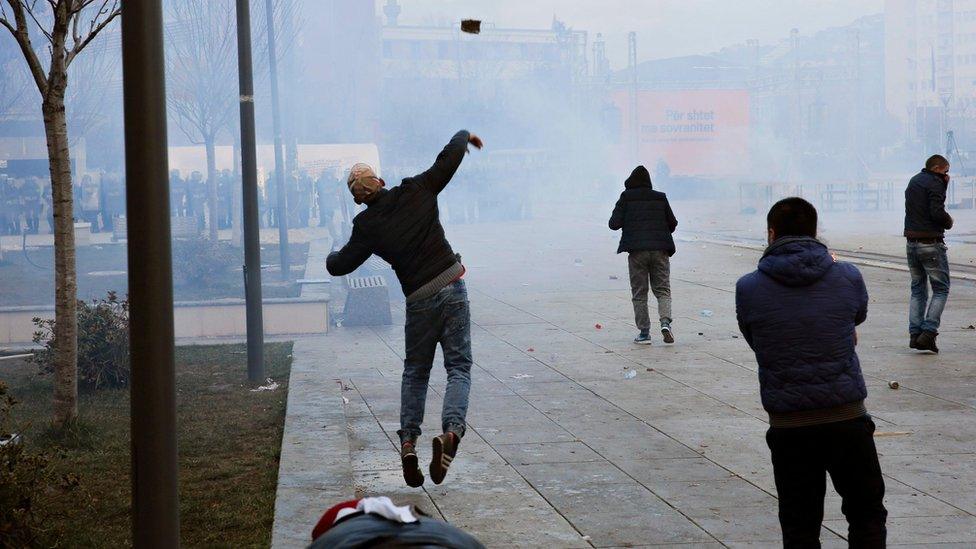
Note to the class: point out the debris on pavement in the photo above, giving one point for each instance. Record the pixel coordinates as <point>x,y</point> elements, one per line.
<point>707,313</point>
<point>631,374</point>
<point>530,349</point>
<point>614,277</point>
<point>471,26</point>
<point>578,262</point>
<point>893,385</point>
<point>598,326</point>
<point>892,433</point>
<point>522,376</point>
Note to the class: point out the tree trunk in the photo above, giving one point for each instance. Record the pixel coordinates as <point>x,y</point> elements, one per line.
<point>212,186</point>
<point>66,283</point>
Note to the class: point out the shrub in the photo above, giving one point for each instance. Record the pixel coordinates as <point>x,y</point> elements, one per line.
<point>198,261</point>
<point>25,479</point>
<point>103,343</point>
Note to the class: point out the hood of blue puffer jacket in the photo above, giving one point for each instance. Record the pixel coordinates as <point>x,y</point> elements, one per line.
<point>796,261</point>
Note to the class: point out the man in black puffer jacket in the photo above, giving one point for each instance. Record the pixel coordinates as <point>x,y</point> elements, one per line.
<point>647,222</point>
<point>799,313</point>
<point>402,225</point>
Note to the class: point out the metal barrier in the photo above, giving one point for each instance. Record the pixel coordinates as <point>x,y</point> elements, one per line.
<point>828,197</point>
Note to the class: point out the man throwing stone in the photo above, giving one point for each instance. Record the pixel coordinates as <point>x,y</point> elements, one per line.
<point>402,226</point>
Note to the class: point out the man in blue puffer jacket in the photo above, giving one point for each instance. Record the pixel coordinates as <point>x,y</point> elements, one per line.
<point>798,312</point>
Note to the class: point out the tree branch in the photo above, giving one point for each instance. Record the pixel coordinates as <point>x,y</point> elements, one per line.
<point>21,34</point>
<point>96,26</point>
<point>33,15</point>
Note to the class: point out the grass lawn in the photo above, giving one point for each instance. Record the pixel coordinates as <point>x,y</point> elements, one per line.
<point>28,279</point>
<point>229,445</point>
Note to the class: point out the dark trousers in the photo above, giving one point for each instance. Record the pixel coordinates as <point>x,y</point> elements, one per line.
<point>801,458</point>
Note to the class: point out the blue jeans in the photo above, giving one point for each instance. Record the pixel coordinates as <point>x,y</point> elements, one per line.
<point>928,264</point>
<point>443,318</point>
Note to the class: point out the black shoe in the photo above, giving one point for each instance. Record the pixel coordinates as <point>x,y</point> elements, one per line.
<point>411,466</point>
<point>643,338</point>
<point>445,448</point>
<point>913,341</point>
<point>926,342</point>
<point>668,336</point>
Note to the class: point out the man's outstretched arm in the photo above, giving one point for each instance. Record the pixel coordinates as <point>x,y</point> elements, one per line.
<point>439,175</point>
<point>350,257</point>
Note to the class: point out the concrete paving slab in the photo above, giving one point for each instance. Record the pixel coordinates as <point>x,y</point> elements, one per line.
<point>547,452</point>
<point>563,450</point>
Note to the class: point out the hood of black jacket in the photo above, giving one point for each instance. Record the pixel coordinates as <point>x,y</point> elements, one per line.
<point>796,261</point>
<point>640,177</point>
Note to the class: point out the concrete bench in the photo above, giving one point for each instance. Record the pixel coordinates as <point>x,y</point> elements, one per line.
<point>184,227</point>
<point>367,301</point>
<point>375,266</point>
<point>120,229</point>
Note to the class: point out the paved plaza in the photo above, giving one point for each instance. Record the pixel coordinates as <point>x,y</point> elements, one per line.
<point>579,438</point>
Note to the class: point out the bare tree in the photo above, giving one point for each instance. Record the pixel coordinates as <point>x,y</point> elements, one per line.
<point>202,78</point>
<point>97,82</point>
<point>62,28</point>
<point>201,75</point>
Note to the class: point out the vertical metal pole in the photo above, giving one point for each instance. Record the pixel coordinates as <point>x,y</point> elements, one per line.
<point>634,115</point>
<point>155,495</point>
<point>281,203</point>
<point>249,179</point>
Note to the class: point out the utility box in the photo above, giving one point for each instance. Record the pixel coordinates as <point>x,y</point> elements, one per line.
<point>367,302</point>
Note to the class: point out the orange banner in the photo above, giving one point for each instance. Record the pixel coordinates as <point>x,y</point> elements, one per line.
<point>696,132</point>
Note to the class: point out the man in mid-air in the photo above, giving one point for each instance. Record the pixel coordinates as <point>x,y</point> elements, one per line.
<point>402,225</point>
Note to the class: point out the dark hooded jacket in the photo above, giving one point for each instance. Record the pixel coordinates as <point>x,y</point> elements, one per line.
<point>644,215</point>
<point>925,213</point>
<point>402,225</point>
<point>798,312</point>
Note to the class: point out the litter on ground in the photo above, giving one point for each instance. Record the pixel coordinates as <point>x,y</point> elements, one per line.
<point>270,385</point>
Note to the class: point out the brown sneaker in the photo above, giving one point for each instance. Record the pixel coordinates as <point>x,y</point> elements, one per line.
<point>411,465</point>
<point>445,447</point>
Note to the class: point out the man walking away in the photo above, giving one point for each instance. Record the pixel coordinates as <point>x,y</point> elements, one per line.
<point>926,221</point>
<point>647,222</point>
<point>798,312</point>
<point>402,226</point>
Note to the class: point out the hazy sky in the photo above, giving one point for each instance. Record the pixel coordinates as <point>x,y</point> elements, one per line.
<point>664,28</point>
